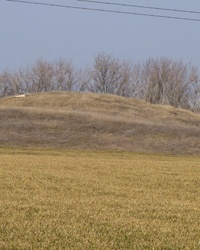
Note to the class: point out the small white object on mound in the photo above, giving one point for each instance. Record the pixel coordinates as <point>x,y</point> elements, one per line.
<point>18,96</point>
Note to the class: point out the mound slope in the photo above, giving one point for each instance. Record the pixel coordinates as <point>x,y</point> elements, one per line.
<point>92,121</point>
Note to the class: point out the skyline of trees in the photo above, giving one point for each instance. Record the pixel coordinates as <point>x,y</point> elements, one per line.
<point>158,81</point>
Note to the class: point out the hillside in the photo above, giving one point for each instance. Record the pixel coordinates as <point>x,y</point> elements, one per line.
<point>92,121</point>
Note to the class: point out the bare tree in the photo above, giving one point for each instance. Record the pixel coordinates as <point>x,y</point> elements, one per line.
<point>135,88</point>
<point>5,87</point>
<point>156,79</point>
<point>167,82</point>
<point>85,81</point>
<point>65,76</point>
<point>10,84</point>
<point>26,79</point>
<point>194,90</point>
<point>41,76</point>
<point>109,75</point>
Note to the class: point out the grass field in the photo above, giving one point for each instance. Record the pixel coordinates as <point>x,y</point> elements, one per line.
<point>107,200</point>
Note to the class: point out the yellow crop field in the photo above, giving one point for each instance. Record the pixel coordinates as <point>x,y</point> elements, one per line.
<point>59,199</point>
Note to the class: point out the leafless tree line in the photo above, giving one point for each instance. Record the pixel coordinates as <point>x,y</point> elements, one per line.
<point>157,81</point>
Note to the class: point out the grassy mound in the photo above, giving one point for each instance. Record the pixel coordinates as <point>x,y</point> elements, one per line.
<point>92,121</point>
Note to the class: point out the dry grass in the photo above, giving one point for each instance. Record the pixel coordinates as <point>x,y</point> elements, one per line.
<point>54,199</point>
<point>91,121</point>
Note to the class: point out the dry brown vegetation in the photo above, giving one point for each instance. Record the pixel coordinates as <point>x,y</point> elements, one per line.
<point>93,192</point>
<point>54,199</point>
<point>94,121</point>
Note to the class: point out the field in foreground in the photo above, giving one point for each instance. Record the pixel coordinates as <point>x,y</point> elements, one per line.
<point>98,200</point>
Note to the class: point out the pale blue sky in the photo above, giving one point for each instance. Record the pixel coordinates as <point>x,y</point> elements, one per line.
<point>29,32</point>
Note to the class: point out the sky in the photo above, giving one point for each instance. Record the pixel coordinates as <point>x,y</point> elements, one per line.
<point>30,32</point>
